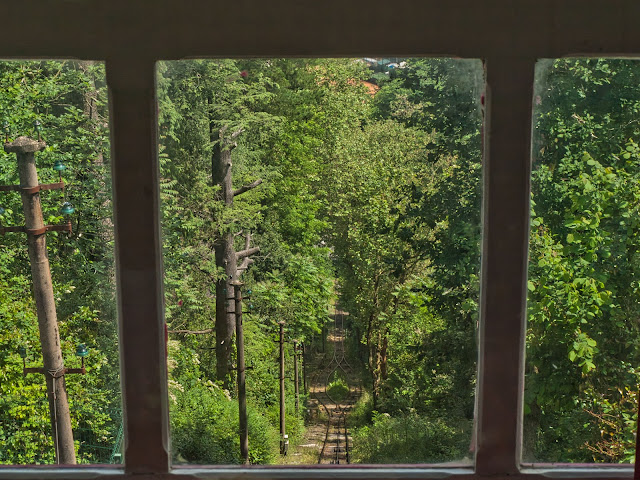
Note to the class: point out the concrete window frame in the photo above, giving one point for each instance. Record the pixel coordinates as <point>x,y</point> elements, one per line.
<point>132,35</point>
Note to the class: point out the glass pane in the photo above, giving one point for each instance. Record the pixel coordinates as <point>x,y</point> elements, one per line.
<point>583,335</point>
<point>57,295</point>
<point>344,194</point>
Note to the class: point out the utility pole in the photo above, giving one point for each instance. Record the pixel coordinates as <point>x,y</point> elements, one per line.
<point>283,436</point>
<point>295,370</point>
<point>242,391</point>
<point>304,369</point>
<point>54,369</point>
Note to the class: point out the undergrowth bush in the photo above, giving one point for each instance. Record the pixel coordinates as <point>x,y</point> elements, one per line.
<point>338,389</point>
<point>409,439</point>
<point>204,429</point>
<point>264,440</point>
<point>362,412</point>
<point>294,423</point>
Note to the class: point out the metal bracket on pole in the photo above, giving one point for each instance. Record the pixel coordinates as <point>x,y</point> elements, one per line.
<point>65,227</point>
<point>32,190</point>
<point>4,230</point>
<point>26,370</point>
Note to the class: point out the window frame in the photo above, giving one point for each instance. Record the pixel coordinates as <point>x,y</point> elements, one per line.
<point>132,35</point>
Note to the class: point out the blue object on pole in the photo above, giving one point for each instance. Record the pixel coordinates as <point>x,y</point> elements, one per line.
<point>67,208</point>
<point>82,350</point>
<point>59,166</point>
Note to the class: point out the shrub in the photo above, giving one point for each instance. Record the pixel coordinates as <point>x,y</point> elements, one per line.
<point>409,439</point>
<point>203,427</point>
<point>205,430</point>
<point>362,412</point>
<point>338,389</point>
<point>264,440</point>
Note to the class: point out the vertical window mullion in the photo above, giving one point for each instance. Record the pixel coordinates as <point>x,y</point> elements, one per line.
<point>507,134</point>
<point>139,268</point>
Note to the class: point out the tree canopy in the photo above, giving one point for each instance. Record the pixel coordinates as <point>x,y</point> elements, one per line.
<point>362,186</point>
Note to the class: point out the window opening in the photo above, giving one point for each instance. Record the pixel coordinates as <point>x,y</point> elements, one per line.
<point>342,197</point>
<point>60,393</point>
<point>582,338</point>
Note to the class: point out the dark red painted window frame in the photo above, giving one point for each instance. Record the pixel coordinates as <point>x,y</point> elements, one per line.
<point>131,35</point>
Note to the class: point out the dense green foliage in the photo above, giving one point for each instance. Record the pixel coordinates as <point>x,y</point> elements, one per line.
<point>337,388</point>
<point>69,99</point>
<point>583,271</point>
<point>399,439</point>
<point>370,200</point>
<point>348,196</point>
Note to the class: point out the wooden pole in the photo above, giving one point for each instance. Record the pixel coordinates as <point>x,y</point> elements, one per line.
<point>304,369</point>
<point>295,370</point>
<point>242,391</point>
<point>53,364</point>
<point>282,405</point>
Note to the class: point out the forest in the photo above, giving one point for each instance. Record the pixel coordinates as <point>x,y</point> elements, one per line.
<point>345,196</point>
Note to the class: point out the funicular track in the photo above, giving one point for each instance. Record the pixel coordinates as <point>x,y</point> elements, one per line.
<point>336,443</point>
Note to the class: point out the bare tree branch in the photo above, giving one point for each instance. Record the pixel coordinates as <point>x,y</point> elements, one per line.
<point>237,132</point>
<point>246,261</point>
<point>247,252</point>
<point>244,265</point>
<point>226,142</point>
<point>246,188</point>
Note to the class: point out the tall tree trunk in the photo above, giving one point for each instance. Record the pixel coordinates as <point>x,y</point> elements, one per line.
<point>90,105</point>
<point>373,344</point>
<point>377,374</point>
<point>226,258</point>
<point>383,355</point>
<point>225,253</point>
<point>94,125</point>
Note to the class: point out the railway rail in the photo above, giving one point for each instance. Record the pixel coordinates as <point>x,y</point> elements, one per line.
<point>337,442</point>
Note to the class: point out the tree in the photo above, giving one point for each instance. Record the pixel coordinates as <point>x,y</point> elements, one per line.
<point>81,265</point>
<point>205,108</point>
<point>583,267</point>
